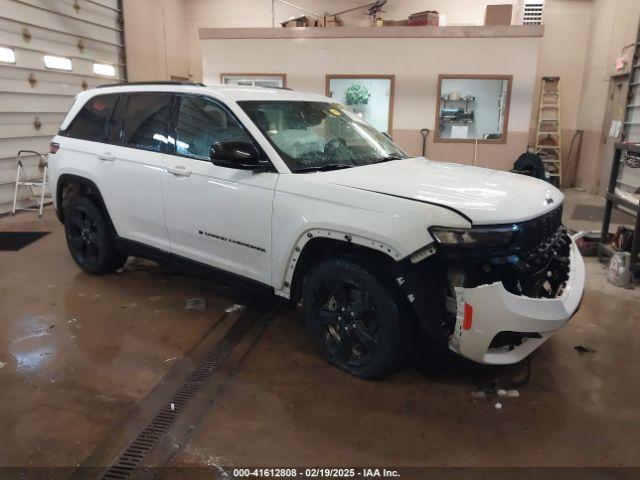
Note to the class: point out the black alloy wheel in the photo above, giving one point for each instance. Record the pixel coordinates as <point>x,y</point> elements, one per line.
<point>88,237</point>
<point>353,319</point>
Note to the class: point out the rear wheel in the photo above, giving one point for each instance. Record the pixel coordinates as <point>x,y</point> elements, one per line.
<point>89,239</point>
<point>354,319</point>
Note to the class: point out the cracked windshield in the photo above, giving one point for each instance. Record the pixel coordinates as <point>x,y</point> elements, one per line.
<point>316,136</point>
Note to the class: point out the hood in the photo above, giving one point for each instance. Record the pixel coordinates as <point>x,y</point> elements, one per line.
<point>484,196</point>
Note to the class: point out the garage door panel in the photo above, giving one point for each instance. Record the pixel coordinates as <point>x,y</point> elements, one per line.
<point>10,147</point>
<point>87,12</point>
<point>23,103</point>
<point>66,38</point>
<point>15,41</point>
<point>110,4</point>
<point>35,60</point>
<point>8,169</point>
<point>30,15</point>
<point>22,130</point>
<point>40,88</point>
<point>11,72</point>
<point>34,99</point>
<point>29,118</point>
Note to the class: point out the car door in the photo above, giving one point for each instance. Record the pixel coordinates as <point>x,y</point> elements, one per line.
<point>131,167</point>
<point>215,215</point>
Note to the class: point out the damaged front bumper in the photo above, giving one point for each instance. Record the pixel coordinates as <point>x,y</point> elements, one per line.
<point>495,326</point>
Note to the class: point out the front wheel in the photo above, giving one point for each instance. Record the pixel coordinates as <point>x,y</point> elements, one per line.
<point>89,239</point>
<point>354,320</point>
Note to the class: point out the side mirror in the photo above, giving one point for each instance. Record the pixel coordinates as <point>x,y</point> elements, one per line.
<point>239,155</point>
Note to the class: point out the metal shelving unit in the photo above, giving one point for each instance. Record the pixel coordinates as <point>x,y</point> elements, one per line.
<point>614,200</point>
<point>629,145</point>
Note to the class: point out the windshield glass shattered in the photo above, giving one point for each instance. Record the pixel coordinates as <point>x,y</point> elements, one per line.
<point>317,136</point>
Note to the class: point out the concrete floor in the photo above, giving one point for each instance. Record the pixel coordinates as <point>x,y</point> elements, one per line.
<point>77,353</point>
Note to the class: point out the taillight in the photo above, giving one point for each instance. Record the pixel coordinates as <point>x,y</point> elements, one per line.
<point>54,147</point>
<point>468,317</point>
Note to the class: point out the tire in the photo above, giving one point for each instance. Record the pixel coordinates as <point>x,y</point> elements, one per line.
<point>89,239</point>
<point>372,343</point>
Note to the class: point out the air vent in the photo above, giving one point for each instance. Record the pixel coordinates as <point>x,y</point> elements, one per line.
<point>532,12</point>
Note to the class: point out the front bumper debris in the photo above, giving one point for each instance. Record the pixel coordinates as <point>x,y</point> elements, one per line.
<point>505,327</point>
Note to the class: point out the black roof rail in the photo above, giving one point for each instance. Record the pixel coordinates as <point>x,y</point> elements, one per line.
<point>160,82</point>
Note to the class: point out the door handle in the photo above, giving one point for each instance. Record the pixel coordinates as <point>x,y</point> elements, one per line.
<point>106,157</point>
<point>179,170</point>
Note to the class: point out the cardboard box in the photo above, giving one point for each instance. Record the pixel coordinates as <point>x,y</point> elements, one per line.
<point>302,21</point>
<point>498,14</point>
<point>428,17</point>
<point>331,21</point>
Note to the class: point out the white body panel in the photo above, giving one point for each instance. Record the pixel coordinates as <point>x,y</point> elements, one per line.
<point>220,216</point>
<point>255,224</point>
<point>129,181</point>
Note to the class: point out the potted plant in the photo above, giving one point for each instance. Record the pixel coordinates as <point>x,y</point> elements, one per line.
<point>357,96</point>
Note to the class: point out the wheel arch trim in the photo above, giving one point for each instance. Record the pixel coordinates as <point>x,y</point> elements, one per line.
<point>340,236</point>
<point>70,177</point>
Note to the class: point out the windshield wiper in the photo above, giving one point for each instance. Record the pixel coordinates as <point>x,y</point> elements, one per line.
<point>322,168</point>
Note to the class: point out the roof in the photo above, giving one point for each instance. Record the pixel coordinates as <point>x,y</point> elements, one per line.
<point>224,92</point>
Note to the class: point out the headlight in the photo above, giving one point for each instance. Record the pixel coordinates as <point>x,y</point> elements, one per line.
<point>474,237</point>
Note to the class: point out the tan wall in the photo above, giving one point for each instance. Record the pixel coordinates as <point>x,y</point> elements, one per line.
<point>416,62</point>
<point>156,39</point>
<point>613,25</point>
<point>258,13</point>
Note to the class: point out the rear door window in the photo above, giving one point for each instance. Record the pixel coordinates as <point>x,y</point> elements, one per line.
<point>146,121</point>
<point>91,122</point>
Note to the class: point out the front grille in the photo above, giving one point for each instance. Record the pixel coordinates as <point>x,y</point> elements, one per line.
<point>536,234</point>
<point>536,263</point>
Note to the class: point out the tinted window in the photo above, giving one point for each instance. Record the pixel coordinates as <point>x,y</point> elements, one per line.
<point>146,121</point>
<point>114,127</point>
<point>201,123</point>
<point>90,123</point>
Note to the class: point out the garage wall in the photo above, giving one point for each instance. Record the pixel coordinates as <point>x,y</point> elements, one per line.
<point>156,33</point>
<point>416,62</point>
<point>614,25</point>
<point>34,99</point>
<point>258,13</point>
<point>563,51</point>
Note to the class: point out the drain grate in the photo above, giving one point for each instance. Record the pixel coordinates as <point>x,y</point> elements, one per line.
<point>150,436</point>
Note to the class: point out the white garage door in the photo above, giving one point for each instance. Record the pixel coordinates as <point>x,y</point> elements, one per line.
<point>49,51</point>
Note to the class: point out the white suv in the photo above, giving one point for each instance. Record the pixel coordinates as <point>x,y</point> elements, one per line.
<point>293,191</point>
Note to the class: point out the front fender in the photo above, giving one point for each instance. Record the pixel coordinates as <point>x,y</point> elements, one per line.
<point>305,208</point>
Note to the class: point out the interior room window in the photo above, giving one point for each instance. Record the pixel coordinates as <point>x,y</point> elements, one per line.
<point>90,123</point>
<point>201,123</point>
<point>369,97</point>
<point>146,121</point>
<point>473,108</point>
<point>7,55</point>
<point>254,79</point>
<point>58,63</point>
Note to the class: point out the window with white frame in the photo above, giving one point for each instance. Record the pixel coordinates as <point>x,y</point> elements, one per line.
<point>104,69</point>
<point>7,55</point>
<point>254,80</point>
<point>58,63</point>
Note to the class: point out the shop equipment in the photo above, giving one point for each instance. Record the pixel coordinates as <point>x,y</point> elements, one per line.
<point>425,134</point>
<point>623,192</point>
<point>549,129</point>
<point>31,183</point>
<point>626,154</point>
